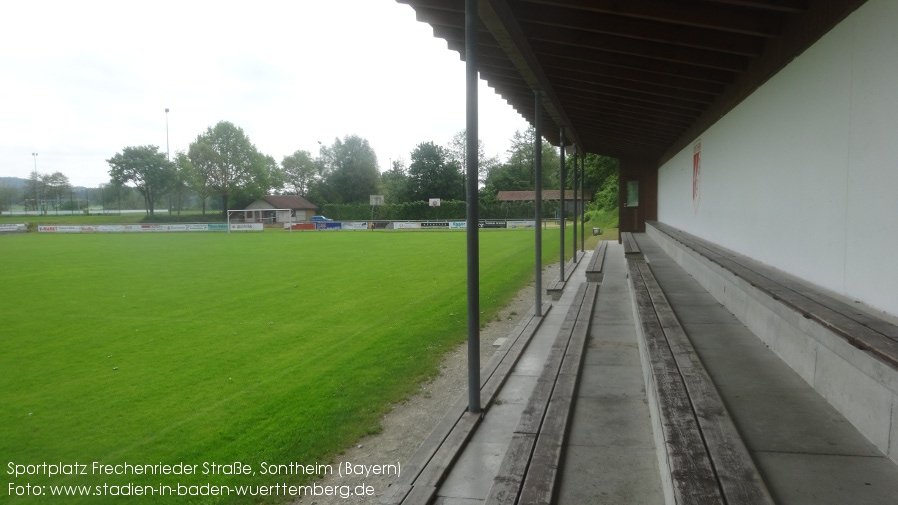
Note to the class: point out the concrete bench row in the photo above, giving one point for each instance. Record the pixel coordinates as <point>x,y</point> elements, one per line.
<point>530,471</point>
<point>430,465</point>
<point>594,271</point>
<point>849,356</point>
<point>630,244</point>
<point>556,287</point>
<point>859,328</point>
<point>701,455</point>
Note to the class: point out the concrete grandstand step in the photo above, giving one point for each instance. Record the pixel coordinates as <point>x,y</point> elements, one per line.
<point>806,451</point>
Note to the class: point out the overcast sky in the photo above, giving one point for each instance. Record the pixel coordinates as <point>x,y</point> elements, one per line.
<point>81,80</point>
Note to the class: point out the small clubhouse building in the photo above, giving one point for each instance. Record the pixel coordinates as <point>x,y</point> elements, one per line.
<point>280,209</point>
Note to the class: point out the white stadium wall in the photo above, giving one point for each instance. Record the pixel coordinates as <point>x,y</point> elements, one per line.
<point>803,175</point>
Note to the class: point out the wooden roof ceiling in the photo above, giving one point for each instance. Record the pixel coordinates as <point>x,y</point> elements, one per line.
<point>632,78</point>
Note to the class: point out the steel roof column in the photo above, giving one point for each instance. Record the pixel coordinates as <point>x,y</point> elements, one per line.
<point>562,182</point>
<point>582,203</point>
<point>538,199</point>
<point>471,143</point>
<point>574,185</point>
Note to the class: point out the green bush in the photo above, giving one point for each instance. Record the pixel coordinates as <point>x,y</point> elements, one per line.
<point>604,218</point>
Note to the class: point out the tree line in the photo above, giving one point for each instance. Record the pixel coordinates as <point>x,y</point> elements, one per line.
<point>52,193</point>
<point>48,192</point>
<point>223,169</point>
<point>224,166</point>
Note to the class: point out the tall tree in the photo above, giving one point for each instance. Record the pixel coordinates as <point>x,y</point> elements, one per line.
<point>350,170</point>
<point>274,174</point>
<point>601,176</point>
<point>299,171</point>
<point>146,168</point>
<point>517,173</point>
<point>57,187</point>
<point>183,180</point>
<point>35,192</point>
<point>433,175</point>
<point>269,180</point>
<point>228,162</point>
<point>7,195</point>
<point>198,165</point>
<point>456,152</point>
<point>598,169</point>
<point>117,196</point>
<point>395,183</point>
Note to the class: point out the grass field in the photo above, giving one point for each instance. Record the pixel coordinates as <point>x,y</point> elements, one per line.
<point>267,347</point>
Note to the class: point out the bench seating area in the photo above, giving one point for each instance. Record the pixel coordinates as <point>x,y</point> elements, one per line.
<point>530,470</point>
<point>597,262</point>
<point>849,356</point>
<point>428,467</point>
<point>702,457</point>
<point>556,287</point>
<point>630,245</point>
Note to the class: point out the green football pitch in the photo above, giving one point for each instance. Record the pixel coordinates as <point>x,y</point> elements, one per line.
<point>207,348</point>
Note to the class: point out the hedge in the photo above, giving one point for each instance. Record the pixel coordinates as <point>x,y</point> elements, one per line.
<point>422,211</point>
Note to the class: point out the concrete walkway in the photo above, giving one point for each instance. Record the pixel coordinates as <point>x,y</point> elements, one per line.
<point>610,454</point>
<point>471,477</point>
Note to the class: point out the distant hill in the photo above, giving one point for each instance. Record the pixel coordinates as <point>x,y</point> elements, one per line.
<point>20,184</point>
<point>14,182</point>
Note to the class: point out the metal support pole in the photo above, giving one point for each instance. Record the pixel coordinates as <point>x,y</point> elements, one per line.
<point>471,143</point>
<point>574,186</point>
<point>562,183</point>
<point>582,202</point>
<point>168,158</point>
<point>538,200</point>
<point>34,176</point>
<point>167,154</point>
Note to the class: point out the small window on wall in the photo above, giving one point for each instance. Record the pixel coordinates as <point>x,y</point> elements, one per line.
<point>632,193</point>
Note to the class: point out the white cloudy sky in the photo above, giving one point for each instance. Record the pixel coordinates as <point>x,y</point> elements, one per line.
<point>80,80</point>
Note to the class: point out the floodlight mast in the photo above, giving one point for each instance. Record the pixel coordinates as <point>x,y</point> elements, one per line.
<point>167,156</point>
<point>36,202</point>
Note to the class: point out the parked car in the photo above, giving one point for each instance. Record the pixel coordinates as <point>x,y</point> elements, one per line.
<point>320,219</point>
